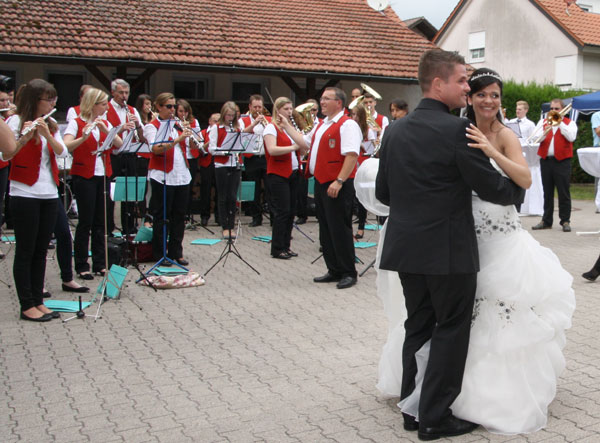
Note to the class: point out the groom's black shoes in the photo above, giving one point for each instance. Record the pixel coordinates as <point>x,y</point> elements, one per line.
<point>541,225</point>
<point>410,424</point>
<point>449,427</point>
<point>327,278</point>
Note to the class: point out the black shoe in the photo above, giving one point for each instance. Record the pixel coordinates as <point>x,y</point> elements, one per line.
<point>85,275</point>
<point>591,275</point>
<point>79,289</point>
<point>566,227</point>
<point>327,278</point>
<point>166,263</point>
<point>54,314</point>
<point>346,282</point>
<point>282,256</point>
<point>46,294</point>
<point>300,220</point>
<point>255,222</point>
<point>182,261</point>
<point>541,225</point>
<point>203,221</point>
<point>410,424</point>
<point>292,253</point>
<point>43,318</point>
<point>449,427</point>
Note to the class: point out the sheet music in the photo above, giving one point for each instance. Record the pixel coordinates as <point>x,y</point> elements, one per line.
<point>164,132</point>
<point>246,142</point>
<point>515,128</point>
<point>109,140</point>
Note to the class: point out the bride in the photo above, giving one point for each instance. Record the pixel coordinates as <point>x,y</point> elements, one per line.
<point>524,300</point>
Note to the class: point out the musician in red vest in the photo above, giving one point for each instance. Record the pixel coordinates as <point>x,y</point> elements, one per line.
<point>370,102</point>
<point>335,145</point>
<point>255,165</point>
<point>84,136</point>
<point>185,114</point>
<point>283,163</point>
<point>74,111</point>
<point>124,164</point>
<point>556,151</point>
<point>207,176</point>
<point>34,193</point>
<point>168,166</point>
<point>227,171</point>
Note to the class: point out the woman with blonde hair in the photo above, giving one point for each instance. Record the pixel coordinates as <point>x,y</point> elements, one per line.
<point>168,172</point>
<point>283,162</point>
<point>84,136</point>
<point>227,171</point>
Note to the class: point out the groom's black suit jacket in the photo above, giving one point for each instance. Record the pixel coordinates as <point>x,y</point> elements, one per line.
<point>426,174</point>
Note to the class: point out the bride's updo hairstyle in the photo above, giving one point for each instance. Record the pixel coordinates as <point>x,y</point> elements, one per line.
<point>482,78</point>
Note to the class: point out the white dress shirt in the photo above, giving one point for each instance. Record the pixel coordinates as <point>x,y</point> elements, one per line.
<point>180,174</point>
<point>213,136</point>
<point>72,130</point>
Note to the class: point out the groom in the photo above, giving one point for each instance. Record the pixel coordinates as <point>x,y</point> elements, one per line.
<point>426,176</point>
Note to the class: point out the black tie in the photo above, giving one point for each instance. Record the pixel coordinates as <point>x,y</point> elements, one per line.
<point>518,120</point>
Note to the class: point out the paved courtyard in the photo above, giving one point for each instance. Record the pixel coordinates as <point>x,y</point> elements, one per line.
<point>246,357</point>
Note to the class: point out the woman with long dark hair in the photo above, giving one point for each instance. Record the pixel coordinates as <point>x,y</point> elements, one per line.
<point>186,116</point>
<point>34,193</point>
<point>84,136</point>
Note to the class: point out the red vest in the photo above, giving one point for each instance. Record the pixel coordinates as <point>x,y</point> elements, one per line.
<point>84,162</point>
<point>281,164</point>
<point>379,120</point>
<point>25,166</point>
<point>113,117</point>
<point>157,161</point>
<point>221,134</point>
<point>207,159</point>
<point>562,147</point>
<point>330,158</point>
<point>77,110</point>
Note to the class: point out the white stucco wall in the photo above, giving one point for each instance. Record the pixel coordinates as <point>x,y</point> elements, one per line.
<point>521,43</point>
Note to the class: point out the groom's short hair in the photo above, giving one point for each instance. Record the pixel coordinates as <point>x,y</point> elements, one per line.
<point>437,63</point>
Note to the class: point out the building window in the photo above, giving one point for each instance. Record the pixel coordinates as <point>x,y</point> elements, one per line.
<point>190,89</point>
<point>67,86</point>
<point>240,91</point>
<point>477,47</point>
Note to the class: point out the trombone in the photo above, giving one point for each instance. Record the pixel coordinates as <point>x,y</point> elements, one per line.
<point>553,118</point>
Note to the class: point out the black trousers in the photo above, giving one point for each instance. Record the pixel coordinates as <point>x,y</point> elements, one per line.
<point>283,207</point>
<point>126,166</point>
<point>3,186</point>
<point>193,162</point>
<point>228,182</point>
<point>302,195</point>
<point>362,215</point>
<point>64,244</point>
<point>142,171</point>
<point>440,308</point>
<point>556,174</point>
<point>177,197</point>
<point>207,183</point>
<point>335,228</point>
<point>33,223</point>
<point>256,171</point>
<point>89,194</point>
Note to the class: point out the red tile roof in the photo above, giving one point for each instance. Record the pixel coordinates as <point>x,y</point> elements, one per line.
<point>344,37</point>
<point>581,26</point>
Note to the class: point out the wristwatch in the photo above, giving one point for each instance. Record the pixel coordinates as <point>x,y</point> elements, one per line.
<point>339,180</point>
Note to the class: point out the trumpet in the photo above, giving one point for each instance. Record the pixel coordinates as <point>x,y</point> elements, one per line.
<point>553,118</point>
<point>35,124</point>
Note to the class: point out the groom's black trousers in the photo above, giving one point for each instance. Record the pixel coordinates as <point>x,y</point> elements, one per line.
<point>440,308</point>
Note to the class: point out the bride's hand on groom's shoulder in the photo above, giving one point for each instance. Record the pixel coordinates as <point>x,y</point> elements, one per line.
<point>480,141</point>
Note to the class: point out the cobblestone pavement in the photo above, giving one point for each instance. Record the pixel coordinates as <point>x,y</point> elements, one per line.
<point>270,357</point>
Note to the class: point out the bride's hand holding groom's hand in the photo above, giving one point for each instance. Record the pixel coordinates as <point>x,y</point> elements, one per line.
<point>480,141</point>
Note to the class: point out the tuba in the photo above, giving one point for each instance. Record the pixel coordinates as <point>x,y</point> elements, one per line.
<point>304,111</point>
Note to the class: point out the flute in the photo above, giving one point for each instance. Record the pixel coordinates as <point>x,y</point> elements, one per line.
<point>90,129</point>
<point>35,124</point>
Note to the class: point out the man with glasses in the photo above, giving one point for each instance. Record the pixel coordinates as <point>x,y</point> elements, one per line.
<point>556,151</point>
<point>335,144</point>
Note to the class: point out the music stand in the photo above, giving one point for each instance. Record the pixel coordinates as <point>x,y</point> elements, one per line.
<point>163,136</point>
<point>234,144</point>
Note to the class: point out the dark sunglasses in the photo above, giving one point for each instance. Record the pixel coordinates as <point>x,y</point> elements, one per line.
<point>555,109</point>
<point>170,106</point>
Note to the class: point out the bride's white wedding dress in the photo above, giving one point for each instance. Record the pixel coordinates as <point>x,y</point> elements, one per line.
<point>523,305</point>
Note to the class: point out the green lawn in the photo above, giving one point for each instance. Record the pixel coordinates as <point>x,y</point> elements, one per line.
<point>582,191</point>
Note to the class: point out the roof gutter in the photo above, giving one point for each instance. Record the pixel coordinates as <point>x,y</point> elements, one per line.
<point>143,64</point>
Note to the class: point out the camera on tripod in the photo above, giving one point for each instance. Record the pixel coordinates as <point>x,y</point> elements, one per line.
<point>7,83</point>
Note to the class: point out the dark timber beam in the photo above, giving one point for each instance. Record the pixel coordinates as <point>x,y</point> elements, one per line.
<point>99,76</point>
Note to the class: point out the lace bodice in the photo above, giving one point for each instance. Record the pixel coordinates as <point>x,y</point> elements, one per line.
<point>493,220</point>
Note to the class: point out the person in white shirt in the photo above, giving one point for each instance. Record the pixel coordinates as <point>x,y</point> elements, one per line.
<point>556,151</point>
<point>74,111</point>
<point>335,145</point>
<point>34,193</point>
<point>533,204</point>
<point>168,173</point>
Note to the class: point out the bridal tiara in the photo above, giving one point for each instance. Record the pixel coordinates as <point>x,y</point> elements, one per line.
<point>485,74</point>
